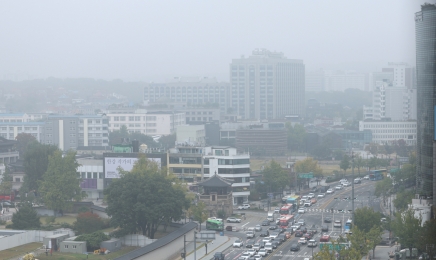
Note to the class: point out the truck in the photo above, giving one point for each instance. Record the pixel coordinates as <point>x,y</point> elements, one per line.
<point>270,216</point>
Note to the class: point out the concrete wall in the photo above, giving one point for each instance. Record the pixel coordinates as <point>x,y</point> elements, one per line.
<point>163,252</point>
<point>68,247</point>
<point>112,245</point>
<point>136,240</point>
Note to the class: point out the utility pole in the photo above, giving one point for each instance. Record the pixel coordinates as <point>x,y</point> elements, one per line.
<point>352,186</point>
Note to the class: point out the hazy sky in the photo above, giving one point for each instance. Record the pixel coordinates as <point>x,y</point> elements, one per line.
<point>152,40</point>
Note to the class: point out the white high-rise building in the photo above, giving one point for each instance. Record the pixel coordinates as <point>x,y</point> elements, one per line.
<point>267,85</point>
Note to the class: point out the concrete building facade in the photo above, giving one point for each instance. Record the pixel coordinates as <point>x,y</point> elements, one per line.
<point>267,85</point>
<point>389,131</point>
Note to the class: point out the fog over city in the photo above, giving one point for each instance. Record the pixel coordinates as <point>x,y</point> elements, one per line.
<point>154,40</point>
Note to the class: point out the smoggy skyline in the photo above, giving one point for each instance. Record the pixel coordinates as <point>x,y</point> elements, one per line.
<point>154,40</point>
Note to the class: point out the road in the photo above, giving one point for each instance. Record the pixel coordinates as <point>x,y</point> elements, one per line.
<point>339,201</point>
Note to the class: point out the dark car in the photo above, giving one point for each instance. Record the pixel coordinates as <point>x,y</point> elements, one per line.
<point>218,256</point>
<point>304,229</point>
<point>275,244</point>
<point>324,228</point>
<point>264,233</point>
<point>249,244</point>
<point>262,244</point>
<point>273,227</point>
<point>229,228</point>
<point>295,247</point>
<point>313,231</point>
<point>327,220</point>
<point>282,237</point>
<point>299,233</point>
<point>265,223</point>
<point>307,236</point>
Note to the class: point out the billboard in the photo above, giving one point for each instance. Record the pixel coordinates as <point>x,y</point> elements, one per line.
<point>111,165</point>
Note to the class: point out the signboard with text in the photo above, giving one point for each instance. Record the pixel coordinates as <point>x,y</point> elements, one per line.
<point>112,165</point>
<point>306,175</point>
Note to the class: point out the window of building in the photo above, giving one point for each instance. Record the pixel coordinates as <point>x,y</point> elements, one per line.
<point>151,118</point>
<point>66,246</point>
<point>122,118</point>
<point>89,175</point>
<point>94,175</point>
<point>74,246</point>
<point>131,118</point>
<point>17,179</point>
<point>100,175</point>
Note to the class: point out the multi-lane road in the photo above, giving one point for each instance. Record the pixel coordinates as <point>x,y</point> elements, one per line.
<point>336,206</point>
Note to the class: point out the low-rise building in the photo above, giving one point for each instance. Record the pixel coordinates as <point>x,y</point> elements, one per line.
<point>390,131</point>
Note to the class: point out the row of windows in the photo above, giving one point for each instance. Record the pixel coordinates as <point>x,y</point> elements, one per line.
<point>11,128</point>
<point>91,175</point>
<point>11,120</point>
<point>394,136</point>
<point>199,119</point>
<point>389,126</point>
<point>390,131</point>
<point>133,118</point>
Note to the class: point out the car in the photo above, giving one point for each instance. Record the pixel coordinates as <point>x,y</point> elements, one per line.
<point>337,223</point>
<point>245,255</point>
<point>288,235</point>
<point>327,220</point>
<point>299,233</point>
<point>357,181</point>
<point>250,234</point>
<point>274,227</point>
<point>366,177</point>
<point>258,228</point>
<point>238,243</point>
<point>308,235</point>
<point>233,220</point>
<point>266,240</point>
<point>304,197</point>
<point>295,227</point>
<point>311,243</point>
<point>273,235</point>
<point>383,220</point>
<point>324,238</point>
<point>265,223</point>
<point>302,240</point>
<point>251,251</point>
<point>295,247</point>
<point>229,228</point>
<point>249,244</point>
<point>346,184</point>
<point>330,191</point>
<point>262,244</point>
<point>282,237</point>
<point>301,211</point>
<point>256,246</point>
<point>218,256</point>
<point>301,222</point>
<point>244,206</point>
<point>303,229</point>
<point>277,210</point>
<point>343,180</point>
<point>275,244</point>
<point>321,195</point>
<point>313,201</point>
<point>307,204</point>
<point>324,228</point>
<point>311,195</point>
<point>264,233</point>
<point>339,187</point>
<point>269,247</point>
<point>257,257</point>
<point>262,252</point>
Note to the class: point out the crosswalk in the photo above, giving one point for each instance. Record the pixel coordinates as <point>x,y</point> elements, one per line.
<point>328,211</point>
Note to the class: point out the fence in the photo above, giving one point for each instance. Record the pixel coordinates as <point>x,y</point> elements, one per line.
<point>30,236</point>
<point>136,240</point>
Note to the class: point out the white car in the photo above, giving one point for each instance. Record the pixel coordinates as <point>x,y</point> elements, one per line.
<point>302,240</point>
<point>330,191</point>
<point>343,180</point>
<point>295,227</point>
<point>366,177</point>
<point>269,247</point>
<point>311,243</point>
<point>339,187</point>
<point>266,240</point>
<point>245,255</point>
<point>321,195</point>
<point>238,243</point>
<point>250,234</point>
<point>244,206</point>
<point>304,197</point>
<point>311,195</point>
<point>337,223</point>
<point>346,184</point>
<point>301,210</point>
<point>262,252</point>
<point>257,257</point>
<point>251,251</point>
<point>233,220</point>
<point>301,222</point>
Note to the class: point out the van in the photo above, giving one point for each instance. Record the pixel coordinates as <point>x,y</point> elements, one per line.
<point>270,216</point>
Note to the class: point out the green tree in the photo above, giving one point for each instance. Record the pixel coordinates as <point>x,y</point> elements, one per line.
<point>308,165</point>
<point>383,188</point>
<point>366,218</point>
<point>145,198</point>
<point>60,185</point>
<point>359,163</point>
<point>345,163</point>
<point>407,228</point>
<point>427,241</point>
<point>358,240</point>
<point>87,222</point>
<point>93,240</point>
<point>275,177</point>
<point>403,199</point>
<point>25,218</point>
<point>35,164</point>
<point>199,212</point>
<point>23,140</point>
<point>296,137</point>
<point>374,237</point>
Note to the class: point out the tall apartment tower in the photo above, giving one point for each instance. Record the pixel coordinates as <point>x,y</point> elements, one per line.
<point>267,85</point>
<point>425,31</point>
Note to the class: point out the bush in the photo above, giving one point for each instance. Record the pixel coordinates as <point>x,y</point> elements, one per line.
<point>2,222</point>
<point>50,219</point>
<point>82,209</point>
<point>88,222</point>
<point>93,240</point>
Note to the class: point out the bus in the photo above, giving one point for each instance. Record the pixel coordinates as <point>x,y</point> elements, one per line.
<point>286,209</point>
<point>376,175</point>
<point>214,224</point>
<point>285,220</point>
<point>348,226</point>
<point>293,200</point>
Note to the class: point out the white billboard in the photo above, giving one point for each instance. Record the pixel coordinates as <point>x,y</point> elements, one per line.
<point>111,165</point>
